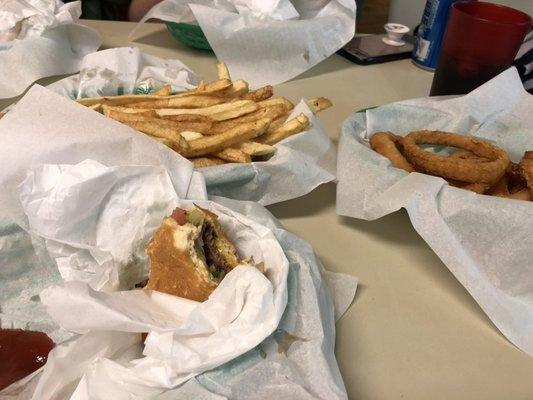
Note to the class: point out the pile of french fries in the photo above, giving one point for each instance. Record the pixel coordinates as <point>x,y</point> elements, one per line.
<point>215,123</point>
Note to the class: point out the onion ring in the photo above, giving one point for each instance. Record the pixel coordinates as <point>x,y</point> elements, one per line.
<point>526,169</point>
<point>386,144</point>
<point>521,195</point>
<point>467,155</point>
<point>466,170</point>
<point>477,187</point>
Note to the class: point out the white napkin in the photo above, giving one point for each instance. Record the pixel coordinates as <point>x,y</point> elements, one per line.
<point>484,241</point>
<point>267,41</point>
<point>40,38</point>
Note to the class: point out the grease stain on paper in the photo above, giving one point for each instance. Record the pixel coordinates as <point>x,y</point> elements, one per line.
<point>285,340</point>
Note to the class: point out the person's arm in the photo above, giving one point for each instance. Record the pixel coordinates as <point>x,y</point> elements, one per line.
<point>139,8</point>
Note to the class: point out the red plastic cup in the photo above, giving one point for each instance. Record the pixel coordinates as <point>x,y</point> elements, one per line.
<point>481,40</point>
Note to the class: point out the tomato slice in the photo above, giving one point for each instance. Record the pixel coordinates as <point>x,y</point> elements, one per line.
<point>180,216</point>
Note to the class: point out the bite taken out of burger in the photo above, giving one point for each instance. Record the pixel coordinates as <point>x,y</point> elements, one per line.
<point>190,254</point>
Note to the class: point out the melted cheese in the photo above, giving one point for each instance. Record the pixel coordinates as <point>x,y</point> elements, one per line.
<point>184,239</point>
<point>184,235</point>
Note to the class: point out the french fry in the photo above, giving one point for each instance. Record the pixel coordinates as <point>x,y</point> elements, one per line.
<point>239,88</point>
<point>96,107</point>
<point>199,101</point>
<point>154,128</point>
<point>210,88</point>
<point>289,128</point>
<point>117,100</point>
<point>270,112</point>
<point>201,87</point>
<point>181,126</point>
<point>318,104</point>
<point>275,124</point>
<point>190,135</point>
<point>220,112</point>
<point>203,162</point>
<point>233,155</point>
<point>157,127</point>
<point>289,106</point>
<point>260,94</point>
<point>222,71</point>
<point>188,118</point>
<point>117,114</point>
<point>2,114</point>
<point>163,91</point>
<point>255,149</point>
<point>215,143</point>
<point>213,87</point>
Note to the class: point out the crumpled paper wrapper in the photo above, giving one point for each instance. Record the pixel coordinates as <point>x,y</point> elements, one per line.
<point>46,128</point>
<point>20,19</point>
<point>96,220</point>
<point>484,241</point>
<point>296,361</point>
<point>123,70</point>
<point>111,213</point>
<point>266,41</point>
<point>302,162</point>
<point>40,38</point>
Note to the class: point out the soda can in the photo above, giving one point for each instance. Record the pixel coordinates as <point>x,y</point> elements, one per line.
<point>430,33</point>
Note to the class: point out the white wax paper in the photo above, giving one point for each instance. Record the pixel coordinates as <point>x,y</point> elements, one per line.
<point>111,212</point>
<point>122,70</point>
<point>40,38</point>
<point>24,18</point>
<point>301,163</point>
<point>296,361</point>
<point>486,242</point>
<point>96,221</point>
<point>266,41</point>
<point>46,128</point>
<point>25,271</point>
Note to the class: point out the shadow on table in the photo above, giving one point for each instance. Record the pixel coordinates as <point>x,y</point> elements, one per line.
<point>310,204</point>
<point>43,82</point>
<point>331,64</point>
<point>160,38</point>
<point>433,267</point>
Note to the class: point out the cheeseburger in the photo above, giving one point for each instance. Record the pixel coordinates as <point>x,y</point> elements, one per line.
<point>190,254</point>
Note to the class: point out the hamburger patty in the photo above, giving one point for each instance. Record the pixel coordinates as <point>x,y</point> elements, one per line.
<point>213,257</point>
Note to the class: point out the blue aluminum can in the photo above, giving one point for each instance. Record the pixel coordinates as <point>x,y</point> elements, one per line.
<point>430,32</point>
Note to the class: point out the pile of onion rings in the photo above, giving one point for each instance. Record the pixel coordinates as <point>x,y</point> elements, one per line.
<point>476,165</point>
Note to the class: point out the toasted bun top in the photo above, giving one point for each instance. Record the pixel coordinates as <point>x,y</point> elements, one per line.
<point>175,266</point>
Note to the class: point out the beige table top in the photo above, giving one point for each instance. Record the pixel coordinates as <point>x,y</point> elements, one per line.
<point>413,331</point>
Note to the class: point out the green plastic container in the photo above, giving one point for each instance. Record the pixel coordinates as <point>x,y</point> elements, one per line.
<point>188,34</point>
